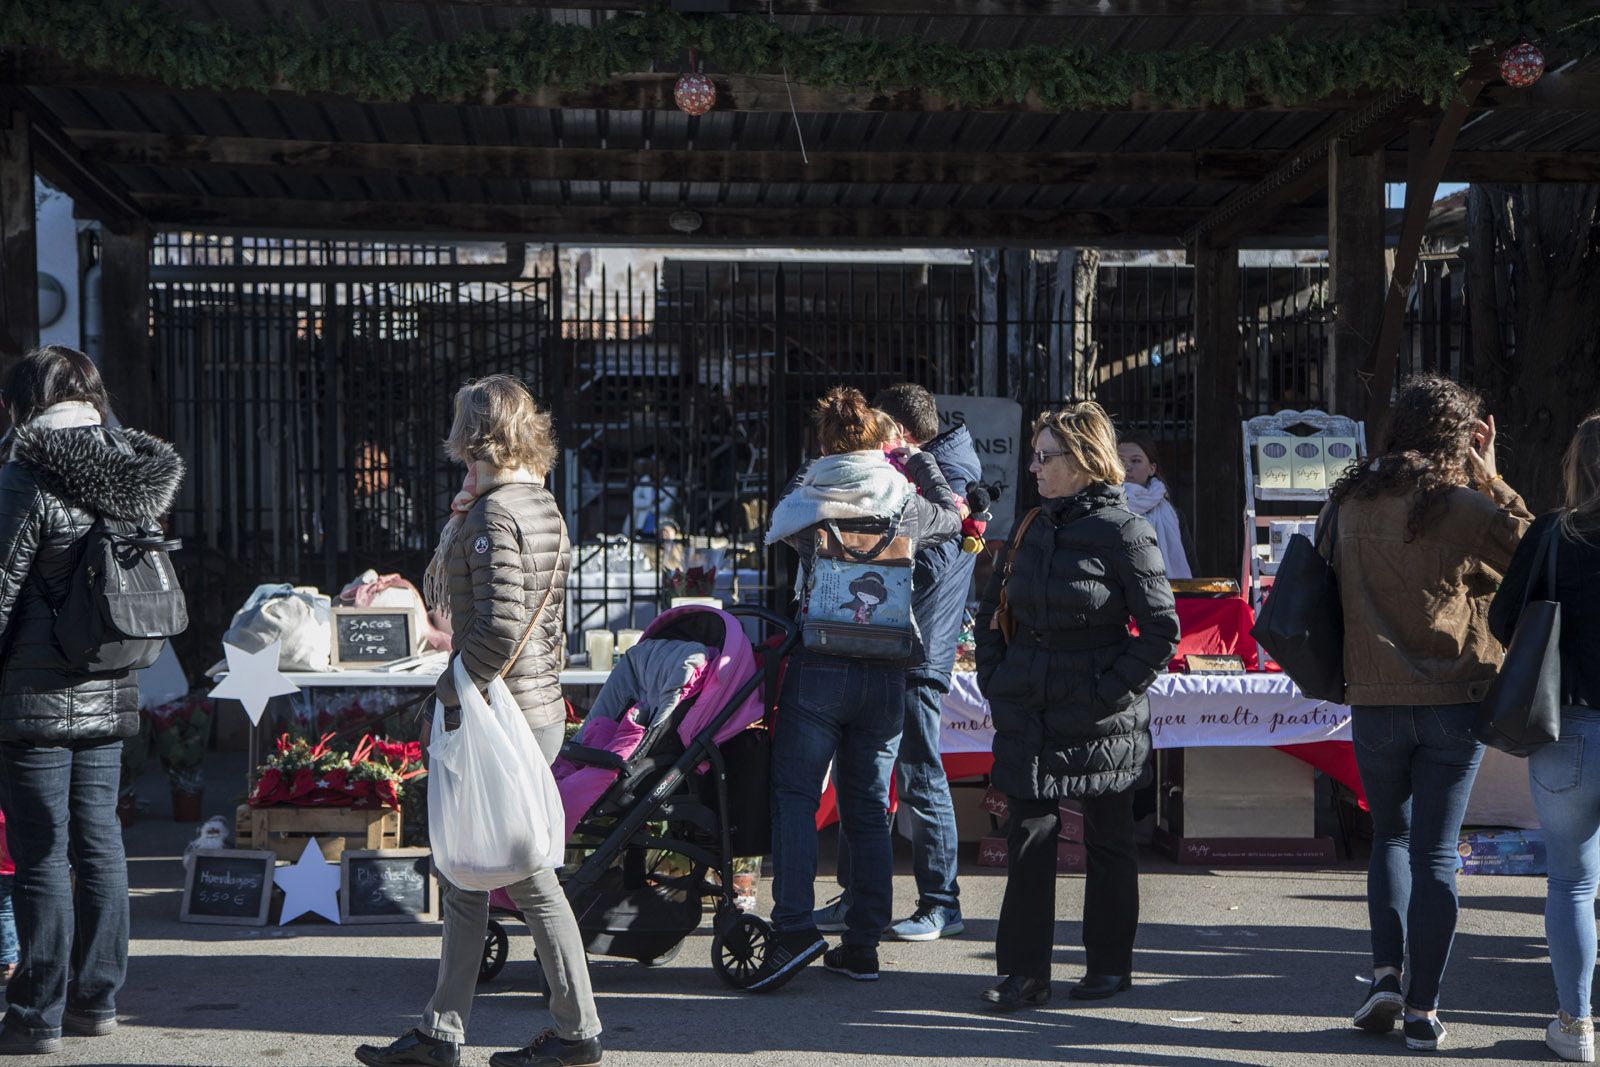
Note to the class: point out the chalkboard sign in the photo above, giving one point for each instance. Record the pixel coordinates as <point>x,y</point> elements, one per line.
<point>387,885</point>
<point>367,637</point>
<point>229,886</point>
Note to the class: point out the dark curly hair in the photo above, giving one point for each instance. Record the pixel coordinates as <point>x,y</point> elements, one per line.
<point>1430,430</point>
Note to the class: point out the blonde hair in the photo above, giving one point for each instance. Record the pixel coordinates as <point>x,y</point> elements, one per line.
<point>498,422</point>
<point>1580,470</point>
<point>1088,438</point>
<point>845,422</point>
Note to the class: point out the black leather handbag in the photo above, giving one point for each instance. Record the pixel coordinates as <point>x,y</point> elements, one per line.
<point>1301,625</point>
<point>1522,709</point>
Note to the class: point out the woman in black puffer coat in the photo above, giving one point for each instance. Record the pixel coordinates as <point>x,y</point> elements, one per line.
<point>1067,696</point>
<point>61,730</point>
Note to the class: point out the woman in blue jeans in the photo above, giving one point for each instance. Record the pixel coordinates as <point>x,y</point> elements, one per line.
<point>840,709</point>
<point>1421,536</point>
<point>61,729</point>
<point>1565,776</point>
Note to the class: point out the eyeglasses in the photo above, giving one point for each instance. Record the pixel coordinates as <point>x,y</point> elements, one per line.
<point>1041,457</point>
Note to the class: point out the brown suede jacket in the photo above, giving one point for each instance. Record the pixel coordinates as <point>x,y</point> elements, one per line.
<point>1416,613</point>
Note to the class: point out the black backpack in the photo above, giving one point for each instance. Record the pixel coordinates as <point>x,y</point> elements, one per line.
<point>124,600</point>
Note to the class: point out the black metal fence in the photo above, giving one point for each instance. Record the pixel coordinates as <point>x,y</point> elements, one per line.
<point>312,411</point>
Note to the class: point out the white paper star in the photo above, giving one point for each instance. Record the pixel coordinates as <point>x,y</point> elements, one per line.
<point>253,679</point>
<point>311,885</point>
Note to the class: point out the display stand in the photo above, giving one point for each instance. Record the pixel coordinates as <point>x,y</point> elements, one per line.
<point>1309,483</point>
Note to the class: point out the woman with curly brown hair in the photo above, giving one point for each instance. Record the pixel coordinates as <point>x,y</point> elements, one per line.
<point>1420,537</point>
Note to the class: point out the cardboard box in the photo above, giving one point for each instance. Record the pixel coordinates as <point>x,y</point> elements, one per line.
<point>1071,858</point>
<point>1246,793</point>
<point>1309,464</point>
<point>1274,464</point>
<point>1339,455</point>
<point>1501,852</point>
<point>994,802</point>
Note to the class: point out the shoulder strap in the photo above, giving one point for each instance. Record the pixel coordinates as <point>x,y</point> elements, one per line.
<point>527,634</point>
<point>1016,539</point>
<point>1552,537</point>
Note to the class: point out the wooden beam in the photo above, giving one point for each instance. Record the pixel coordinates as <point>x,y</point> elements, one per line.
<point>95,192</point>
<point>1577,90</point>
<point>1355,245</point>
<point>104,148</point>
<point>127,356</point>
<point>1218,451</point>
<point>1422,183</point>
<point>1143,9</point>
<point>931,227</point>
<point>19,243</point>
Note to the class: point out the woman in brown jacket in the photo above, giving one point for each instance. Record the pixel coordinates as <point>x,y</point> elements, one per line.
<point>501,571</point>
<point>1422,536</point>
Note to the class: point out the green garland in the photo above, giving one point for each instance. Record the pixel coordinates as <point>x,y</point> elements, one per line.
<point>1425,51</point>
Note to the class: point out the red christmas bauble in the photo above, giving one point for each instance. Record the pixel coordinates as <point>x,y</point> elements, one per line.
<point>695,94</point>
<point>1522,65</point>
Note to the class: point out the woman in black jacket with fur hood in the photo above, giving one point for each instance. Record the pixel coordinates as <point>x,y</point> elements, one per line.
<point>61,730</point>
<point>1067,695</point>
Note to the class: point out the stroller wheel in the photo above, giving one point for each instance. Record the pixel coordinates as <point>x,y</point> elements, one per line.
<point>496,947</point>
<point>739,948</point>
<point>665,958</point>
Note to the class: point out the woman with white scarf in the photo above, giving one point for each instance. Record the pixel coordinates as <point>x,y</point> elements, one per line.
<point>838,710</point>
<point>1147,496</point>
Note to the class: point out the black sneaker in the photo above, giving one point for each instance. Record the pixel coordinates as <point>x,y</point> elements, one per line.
<point>14,1042</point>
<point>1424,1035</point>
<point>788,954</point>
<point>853,961</point>
<point>411,1049</point>
<point>550,1050</point>
<point>1382,1007</point>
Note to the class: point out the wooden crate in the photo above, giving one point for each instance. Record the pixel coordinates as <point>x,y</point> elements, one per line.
<point>286,829</point>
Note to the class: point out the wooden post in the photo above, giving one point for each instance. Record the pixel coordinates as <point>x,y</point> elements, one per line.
<point>127,359</point>
<point>1426,162</point>
<point>1355,245</point>
<point>1218,455</point>
<point>19,249</point>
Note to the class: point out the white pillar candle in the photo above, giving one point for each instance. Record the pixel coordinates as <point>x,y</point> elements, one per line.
<point>600,645</point>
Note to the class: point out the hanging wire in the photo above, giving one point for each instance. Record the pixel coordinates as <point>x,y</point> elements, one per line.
<point>788,88</point>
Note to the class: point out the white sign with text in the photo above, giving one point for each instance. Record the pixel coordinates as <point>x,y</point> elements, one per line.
<point>1186,711</point>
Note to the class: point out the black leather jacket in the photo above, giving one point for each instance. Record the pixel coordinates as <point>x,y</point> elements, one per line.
<point>51,491</point>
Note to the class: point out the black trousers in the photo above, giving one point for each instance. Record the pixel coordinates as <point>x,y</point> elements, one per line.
<point>1026,935</point>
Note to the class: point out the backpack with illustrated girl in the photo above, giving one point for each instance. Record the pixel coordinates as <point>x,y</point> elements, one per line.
<point>857,597</point>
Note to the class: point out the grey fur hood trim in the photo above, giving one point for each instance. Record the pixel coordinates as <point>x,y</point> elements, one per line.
<point>124,474</point>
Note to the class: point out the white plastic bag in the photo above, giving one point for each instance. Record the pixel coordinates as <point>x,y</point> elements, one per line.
<point>494,813</point>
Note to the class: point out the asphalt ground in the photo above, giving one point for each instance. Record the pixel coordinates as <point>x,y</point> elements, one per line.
<point>1257,967</point>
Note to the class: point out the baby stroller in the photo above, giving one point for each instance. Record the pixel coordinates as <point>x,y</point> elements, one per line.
<point>668,793</point>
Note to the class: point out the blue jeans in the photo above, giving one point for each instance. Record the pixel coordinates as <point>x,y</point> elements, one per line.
<point>8,922</point>
<point>925,796</point>
<point>1417,766</point>
<point>1565,779</point>
<point>847,712</point>
<point>61,810</point>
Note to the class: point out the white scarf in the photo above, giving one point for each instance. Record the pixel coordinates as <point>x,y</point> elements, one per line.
<point>67,415</point>
<point>1151,502</point>
<point>851,485</point>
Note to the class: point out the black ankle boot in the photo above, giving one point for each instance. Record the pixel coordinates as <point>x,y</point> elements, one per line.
<point>1017,992</point>
<point>411,1049</point>
<point>1100,986</point>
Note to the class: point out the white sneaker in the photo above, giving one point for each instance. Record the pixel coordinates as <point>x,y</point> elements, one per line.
<point>1572,1040</point>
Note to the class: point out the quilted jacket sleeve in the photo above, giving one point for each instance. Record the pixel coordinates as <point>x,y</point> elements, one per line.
<point>938,515</point>
<point>21,519</point>
<point>991,643</point>
<point>500,613</point>
<point>1138,567</point>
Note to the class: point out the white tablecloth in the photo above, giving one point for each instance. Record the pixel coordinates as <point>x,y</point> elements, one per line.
<point>1186,711</point>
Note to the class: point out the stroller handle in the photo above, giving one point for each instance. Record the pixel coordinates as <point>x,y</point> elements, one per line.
<point>751,611</point>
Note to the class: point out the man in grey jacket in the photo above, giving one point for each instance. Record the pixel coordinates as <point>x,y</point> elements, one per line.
<point>943,583</point>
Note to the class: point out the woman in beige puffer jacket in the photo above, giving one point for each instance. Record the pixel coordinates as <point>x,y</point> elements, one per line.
<point>501,572</point>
